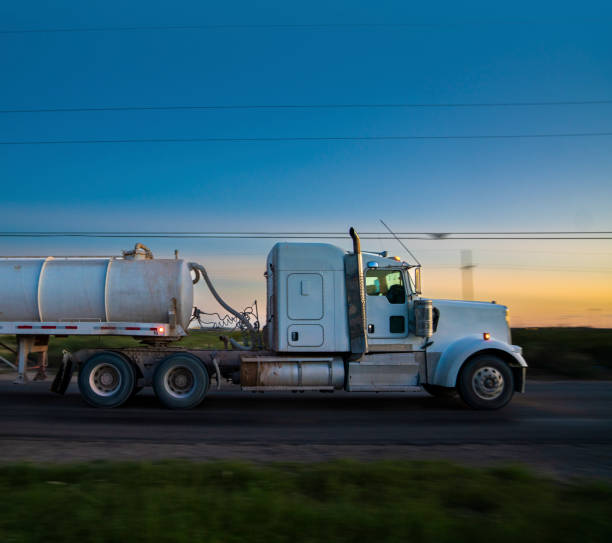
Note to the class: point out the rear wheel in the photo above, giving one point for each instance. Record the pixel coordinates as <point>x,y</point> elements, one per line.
<point>486,382</point>
<point>181,381</point>
<point>106,380</point>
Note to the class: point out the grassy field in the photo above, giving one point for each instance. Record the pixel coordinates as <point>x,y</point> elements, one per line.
<point>197,339</point>
<point>342,501</point>
<point>578,353</point>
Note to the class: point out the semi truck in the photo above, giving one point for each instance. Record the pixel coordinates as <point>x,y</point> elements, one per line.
<point>335,320</point>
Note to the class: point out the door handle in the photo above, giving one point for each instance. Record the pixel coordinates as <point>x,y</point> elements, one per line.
<point>295,336</point>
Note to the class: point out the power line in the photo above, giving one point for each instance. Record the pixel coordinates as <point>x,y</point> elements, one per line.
<point>305,139</point>
<point>314,235</point>
<point>268,26</point>
<point>440,235</point>
<point>296,232</point>
<point>304,106</point>
<point>157,236</point>
<point>528,268</point>
<point>483,250</point>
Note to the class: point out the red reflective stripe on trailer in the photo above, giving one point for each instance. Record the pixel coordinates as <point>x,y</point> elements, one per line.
<point>132,327</point>
<point>70,327</point>
<point>46,327</point>
<point>108,327</point>
<point>154,329</point>
<point>25,326</point>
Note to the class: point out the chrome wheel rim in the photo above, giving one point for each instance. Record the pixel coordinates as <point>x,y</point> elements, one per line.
<point>105,379</point>
<point>488,383</point>
<point>179,381</point>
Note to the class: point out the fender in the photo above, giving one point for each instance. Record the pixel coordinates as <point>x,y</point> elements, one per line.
<point>453,357</point>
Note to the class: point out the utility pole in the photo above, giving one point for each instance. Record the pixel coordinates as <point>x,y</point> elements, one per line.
<point>467,277</point>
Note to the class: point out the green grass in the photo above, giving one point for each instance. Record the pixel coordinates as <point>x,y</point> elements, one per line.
<point>197,339</point>
<point>341,501</point>
<point>577,353</point>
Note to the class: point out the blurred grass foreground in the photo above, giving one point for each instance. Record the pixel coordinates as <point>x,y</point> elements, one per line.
<point>331,502</point>
<point>576,353</point>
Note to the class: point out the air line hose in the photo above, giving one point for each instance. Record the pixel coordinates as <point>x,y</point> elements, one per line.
<point>201,271</point>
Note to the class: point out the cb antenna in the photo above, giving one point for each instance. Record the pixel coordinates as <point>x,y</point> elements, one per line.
<point>400,242</point>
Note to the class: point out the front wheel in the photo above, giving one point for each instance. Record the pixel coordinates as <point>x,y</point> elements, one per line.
<point>486,382</point>
<point>181,381</point>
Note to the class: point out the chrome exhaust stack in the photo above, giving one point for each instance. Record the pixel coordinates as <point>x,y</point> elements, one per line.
<point>355,297</point>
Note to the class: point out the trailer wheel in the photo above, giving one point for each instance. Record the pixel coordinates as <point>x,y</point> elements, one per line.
<point>440,392</point>
<point>181,381</point>
<point>106,380</point>
<point>486,382</point>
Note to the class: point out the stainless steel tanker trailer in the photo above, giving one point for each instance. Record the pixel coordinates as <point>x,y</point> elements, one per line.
<point>335,320</point>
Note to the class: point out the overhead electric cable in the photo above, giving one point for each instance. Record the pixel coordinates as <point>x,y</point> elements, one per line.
<point>305,139</point>
<point>294,232</point>
<point>398,105</point>
<point>306,235</point>
<point>272,26</point>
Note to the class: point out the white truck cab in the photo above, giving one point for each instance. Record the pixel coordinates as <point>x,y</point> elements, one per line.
<point>388,337</point>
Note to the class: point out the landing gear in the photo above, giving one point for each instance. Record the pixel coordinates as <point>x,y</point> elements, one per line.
<point>486,382</point>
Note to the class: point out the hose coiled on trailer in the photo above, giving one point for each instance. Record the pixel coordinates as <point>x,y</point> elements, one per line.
<point>199,270</point>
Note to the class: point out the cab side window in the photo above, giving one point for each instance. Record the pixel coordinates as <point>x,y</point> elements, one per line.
<point>388,283</point>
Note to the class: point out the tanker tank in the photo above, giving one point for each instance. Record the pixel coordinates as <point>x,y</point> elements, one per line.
<point>133,288</point>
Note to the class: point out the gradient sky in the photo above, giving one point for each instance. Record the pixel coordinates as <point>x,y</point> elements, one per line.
<point>456,53</point>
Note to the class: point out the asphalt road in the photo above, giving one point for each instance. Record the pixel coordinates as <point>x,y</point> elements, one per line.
<point>561,427</point>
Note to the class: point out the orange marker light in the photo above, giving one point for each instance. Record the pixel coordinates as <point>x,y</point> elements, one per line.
<point>486,336</point>
<point>160,330</point>
<point>397,258</point>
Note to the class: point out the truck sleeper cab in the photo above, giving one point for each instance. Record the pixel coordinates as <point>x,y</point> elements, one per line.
<point>468,351</point>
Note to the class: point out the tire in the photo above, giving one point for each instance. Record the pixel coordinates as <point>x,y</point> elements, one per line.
<point>181,381</point>
<point>106,380</point>
<point>486,382</point>
<point>440,392</point>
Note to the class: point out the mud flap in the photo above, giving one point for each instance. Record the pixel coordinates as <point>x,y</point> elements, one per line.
<point>63,376</point>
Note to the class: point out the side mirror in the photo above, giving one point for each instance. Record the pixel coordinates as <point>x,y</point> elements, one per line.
<point>417,279</point>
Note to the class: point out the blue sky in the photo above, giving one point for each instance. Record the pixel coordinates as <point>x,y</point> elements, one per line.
<point>475,52</point>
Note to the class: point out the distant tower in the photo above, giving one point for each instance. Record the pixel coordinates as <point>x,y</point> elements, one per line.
<point>467,277</point>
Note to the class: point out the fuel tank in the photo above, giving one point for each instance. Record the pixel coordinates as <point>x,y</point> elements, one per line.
<point>261,372</point>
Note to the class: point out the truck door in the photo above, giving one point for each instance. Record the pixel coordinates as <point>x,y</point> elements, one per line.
<point>386,304</point>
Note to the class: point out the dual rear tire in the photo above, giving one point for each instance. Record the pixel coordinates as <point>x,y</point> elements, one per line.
<point>181,381</point>
<point>108,379</point>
